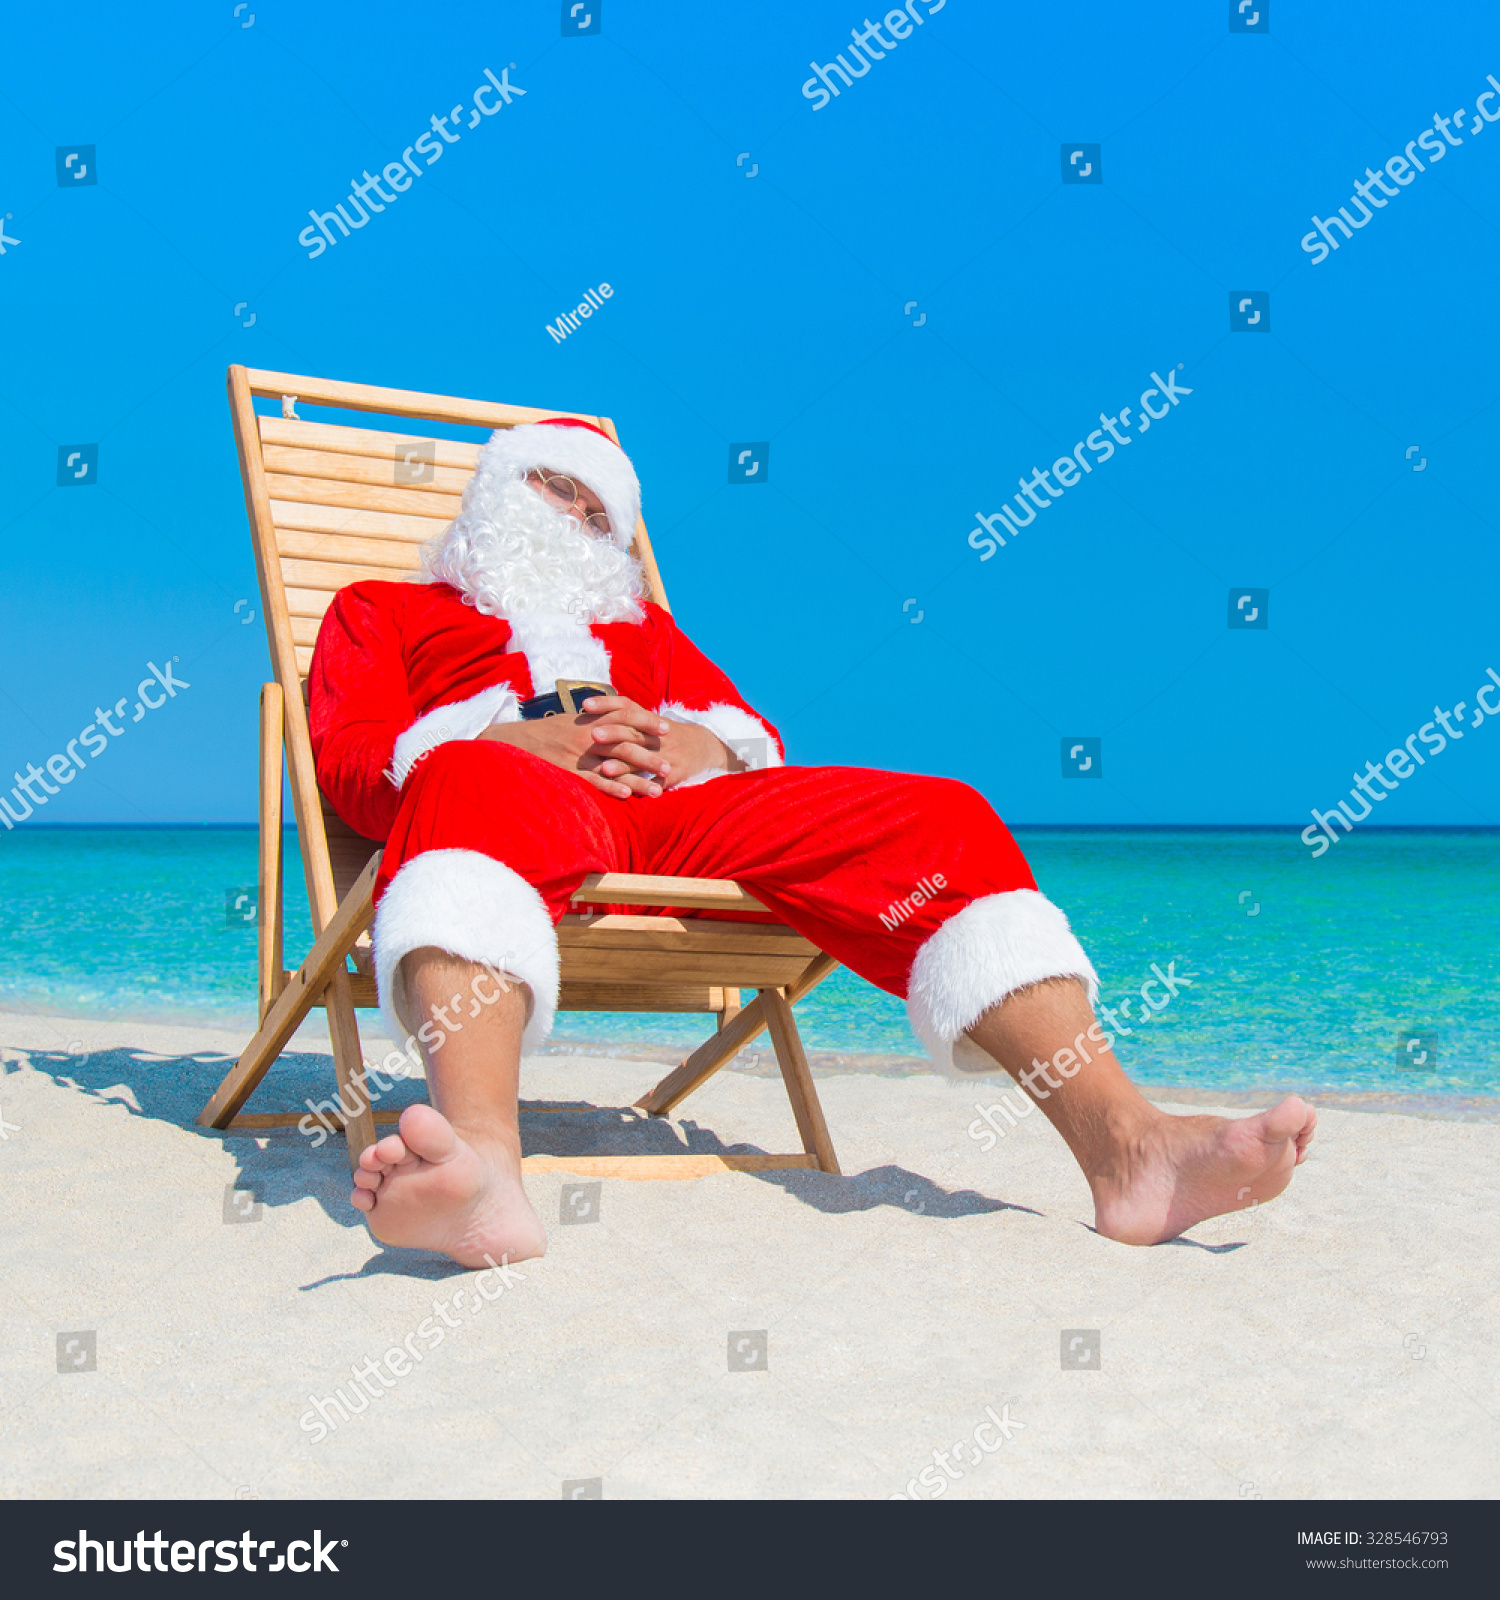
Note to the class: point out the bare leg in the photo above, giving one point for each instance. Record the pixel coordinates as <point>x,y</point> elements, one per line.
<point>451,1179</point>
<point>1153,1176</point>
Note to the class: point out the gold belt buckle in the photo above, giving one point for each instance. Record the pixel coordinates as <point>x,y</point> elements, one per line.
<point>572,700</point>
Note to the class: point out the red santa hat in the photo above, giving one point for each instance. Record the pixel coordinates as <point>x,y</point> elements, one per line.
<point>578,449</point>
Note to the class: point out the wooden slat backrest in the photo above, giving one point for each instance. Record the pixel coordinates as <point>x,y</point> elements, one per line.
<point>348,852</point>
<point>339,515</point>
<point>328,508</point>
<point>353,503</point>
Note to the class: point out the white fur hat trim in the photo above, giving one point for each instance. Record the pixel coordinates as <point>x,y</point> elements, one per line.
<point>578,450</point>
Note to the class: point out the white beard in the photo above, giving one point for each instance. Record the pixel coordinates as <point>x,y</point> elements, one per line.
<point>509,553</point>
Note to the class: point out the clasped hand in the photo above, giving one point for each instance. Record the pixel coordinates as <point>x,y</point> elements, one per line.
<point>619,746</point>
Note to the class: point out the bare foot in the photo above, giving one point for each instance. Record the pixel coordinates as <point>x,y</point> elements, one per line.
<point>1176,1171</point>
<point>427,1189</point>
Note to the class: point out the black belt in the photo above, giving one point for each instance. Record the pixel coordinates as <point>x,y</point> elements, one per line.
<point>565,701</point>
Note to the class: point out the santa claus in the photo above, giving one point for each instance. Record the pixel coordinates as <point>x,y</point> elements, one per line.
<point>525,717</point>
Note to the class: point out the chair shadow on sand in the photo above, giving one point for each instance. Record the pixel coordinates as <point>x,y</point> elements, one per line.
<point>283,1167</point>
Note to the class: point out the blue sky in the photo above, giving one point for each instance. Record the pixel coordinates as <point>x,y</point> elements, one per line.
<point>773,307</point>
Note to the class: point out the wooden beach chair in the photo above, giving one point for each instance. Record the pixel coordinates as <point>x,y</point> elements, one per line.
<point>332,505</point>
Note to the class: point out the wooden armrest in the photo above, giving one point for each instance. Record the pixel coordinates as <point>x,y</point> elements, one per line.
<point>646,889</point>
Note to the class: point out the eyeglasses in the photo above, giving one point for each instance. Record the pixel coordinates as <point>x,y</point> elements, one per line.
<point>563,493</point>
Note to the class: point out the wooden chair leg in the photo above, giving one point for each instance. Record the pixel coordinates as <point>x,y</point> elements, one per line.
<point>269,899</point>
<point>323,969</point>
<point>343,1029</point>
<point>706,1060</point>
<point>732,1037</point>
<point>797,1076</point>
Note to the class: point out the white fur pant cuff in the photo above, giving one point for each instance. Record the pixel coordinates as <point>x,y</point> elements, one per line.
<point>476,908</point>
<point>978,957</point>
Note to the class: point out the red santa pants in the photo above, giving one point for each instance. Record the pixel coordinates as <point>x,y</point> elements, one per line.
<point>491,842</point>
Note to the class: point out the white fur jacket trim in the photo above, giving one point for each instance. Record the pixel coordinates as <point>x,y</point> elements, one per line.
<point>464,719</point>
<point>746,735</point>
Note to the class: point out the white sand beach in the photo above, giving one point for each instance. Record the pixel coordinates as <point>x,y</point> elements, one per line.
<point>175,1301</point>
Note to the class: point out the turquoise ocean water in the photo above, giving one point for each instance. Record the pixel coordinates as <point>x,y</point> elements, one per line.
<point>1304,974</point>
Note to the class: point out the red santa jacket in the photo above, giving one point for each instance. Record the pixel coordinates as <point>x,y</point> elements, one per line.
<point>402,667</point>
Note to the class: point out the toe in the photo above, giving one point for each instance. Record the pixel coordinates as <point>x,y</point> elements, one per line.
<point>388,1152</point>
<point>365,1179</point>
<point>384,1153</point>
<point>1305,1137</point>
<point>1285,1121</point>
<point>428,1134</point>
<point>362,1200</point>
